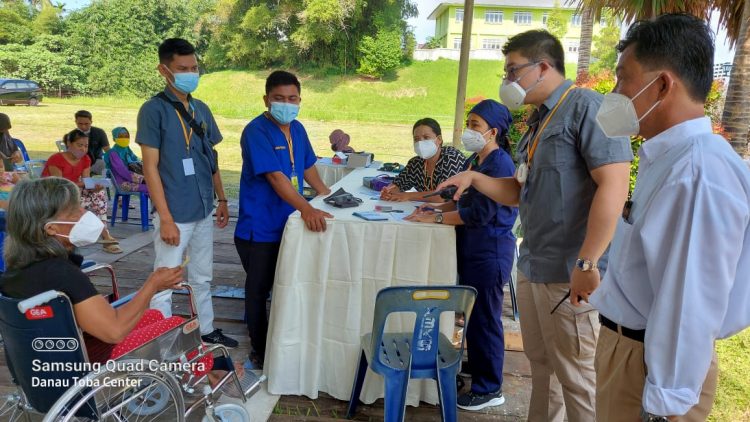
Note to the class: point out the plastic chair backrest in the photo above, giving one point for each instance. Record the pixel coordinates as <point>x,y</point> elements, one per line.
<point>427,302</point>
<point>41,340</point>
<point>22,147</point>
<point>61,145</point>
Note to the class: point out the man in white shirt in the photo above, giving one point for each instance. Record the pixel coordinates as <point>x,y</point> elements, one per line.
<point>679,271</point>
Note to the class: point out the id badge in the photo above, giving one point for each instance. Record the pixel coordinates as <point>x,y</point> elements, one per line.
<point>188,167</point>
<point>522,173</point>
<point>295,182</point>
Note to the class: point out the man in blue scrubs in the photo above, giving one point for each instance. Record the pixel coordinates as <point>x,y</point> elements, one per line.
<point>276,160</point>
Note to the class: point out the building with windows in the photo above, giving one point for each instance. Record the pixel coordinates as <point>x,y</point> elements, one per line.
<point>497,20</point>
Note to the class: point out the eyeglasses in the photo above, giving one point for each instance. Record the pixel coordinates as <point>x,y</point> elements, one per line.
<point>510,73</point>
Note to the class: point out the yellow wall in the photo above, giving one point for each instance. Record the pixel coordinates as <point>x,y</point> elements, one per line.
<point>447,28</point>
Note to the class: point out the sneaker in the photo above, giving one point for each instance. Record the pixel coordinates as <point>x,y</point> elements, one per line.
<point>216,337</point>
<point>474,401</point>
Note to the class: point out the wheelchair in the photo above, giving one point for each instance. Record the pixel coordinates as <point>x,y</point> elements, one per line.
<point>49,364</point>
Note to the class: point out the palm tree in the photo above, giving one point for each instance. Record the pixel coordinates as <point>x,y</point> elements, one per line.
<point>584,47</point>
<point>734,15</point>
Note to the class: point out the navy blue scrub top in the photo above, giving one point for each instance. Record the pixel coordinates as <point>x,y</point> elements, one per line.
<point>485,242</point>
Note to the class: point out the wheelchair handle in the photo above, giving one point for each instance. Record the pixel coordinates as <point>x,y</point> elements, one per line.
<point>191,296</point>
<point>37,300</point>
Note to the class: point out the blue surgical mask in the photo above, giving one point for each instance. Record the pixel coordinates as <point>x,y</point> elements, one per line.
<point>185,82</point>
<point>284,113</point>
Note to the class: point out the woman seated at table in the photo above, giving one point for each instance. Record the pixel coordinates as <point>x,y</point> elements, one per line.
<point>75,165</point>
<point>45,223</point>
<point>123,164</point>
<point>433,164</point>
<point>485,247</point>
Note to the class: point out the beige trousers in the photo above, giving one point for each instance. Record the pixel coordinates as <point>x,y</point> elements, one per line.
<point>621,376</point>
<point>561,349</point>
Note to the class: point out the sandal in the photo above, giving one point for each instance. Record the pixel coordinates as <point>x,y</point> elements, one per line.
<point>108,241</point>
<point>112,248</point>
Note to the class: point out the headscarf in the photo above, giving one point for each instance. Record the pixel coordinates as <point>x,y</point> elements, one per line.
<point>126,154</point>
<point>495,114</point>
<point>340,141</point>
<point>7,145</point>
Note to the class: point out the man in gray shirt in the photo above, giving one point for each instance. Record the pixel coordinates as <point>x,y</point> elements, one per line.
<point>182,175</point>
<point>570,186</point>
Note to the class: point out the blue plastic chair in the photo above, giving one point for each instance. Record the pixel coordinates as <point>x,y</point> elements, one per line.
<point>422,353</point>
<point>125,196</point>
<point>33,167</point>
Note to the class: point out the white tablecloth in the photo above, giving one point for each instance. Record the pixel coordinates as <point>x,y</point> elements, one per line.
<point>331,173</point>
<point>325,289</point>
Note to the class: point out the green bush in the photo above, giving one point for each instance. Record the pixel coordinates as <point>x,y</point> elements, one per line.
<point>381,54</point>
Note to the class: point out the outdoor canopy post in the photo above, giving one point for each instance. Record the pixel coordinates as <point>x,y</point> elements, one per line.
<point>463,72</point>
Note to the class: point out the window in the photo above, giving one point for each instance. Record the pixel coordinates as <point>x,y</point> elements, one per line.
<point>459,15</point>
<point>522,18</point>
<point>602,21</point>
<point>457,43</point>
<point>576,19</point>
<point>572,47</point>
<point>492,43</point>
<point>493,17</point>
<point>545,16</point>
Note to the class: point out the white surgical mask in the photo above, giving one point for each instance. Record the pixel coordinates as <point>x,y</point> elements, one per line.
<point>426,148</point>
<point>85,231</point>
<point>473,141</point>
<point>512,94</point>
<point>617,116</point>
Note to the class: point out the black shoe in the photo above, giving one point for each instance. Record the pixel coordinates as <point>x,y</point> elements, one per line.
<point>474,401</point>
<point>216,337</point>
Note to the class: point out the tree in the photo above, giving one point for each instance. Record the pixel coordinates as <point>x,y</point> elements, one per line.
<point>584,46</point>
<point>604,54</point>
<point>557,23</point>
<point>380,54</point>
<point>734,15</point>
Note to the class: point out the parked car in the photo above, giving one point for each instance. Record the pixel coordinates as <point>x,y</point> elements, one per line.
<point>19,91</point>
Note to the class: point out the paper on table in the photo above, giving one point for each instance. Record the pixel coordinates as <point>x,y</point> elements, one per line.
<point>93,182</point>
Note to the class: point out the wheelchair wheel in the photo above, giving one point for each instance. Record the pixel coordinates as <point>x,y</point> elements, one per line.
<point>121,395</point>
<point>12,407</point>
<point>228,412</point>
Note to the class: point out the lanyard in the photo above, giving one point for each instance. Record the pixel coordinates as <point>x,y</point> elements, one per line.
<point>539,131</point>
<point>185,132</point>
<point>291,149</point>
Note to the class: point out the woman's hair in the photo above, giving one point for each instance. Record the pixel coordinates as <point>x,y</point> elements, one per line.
<point>73,136</point>
<point>34,203</point>
<point>503,141</point>
<point>429,122</point>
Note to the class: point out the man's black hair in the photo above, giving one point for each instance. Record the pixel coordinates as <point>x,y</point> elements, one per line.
<point>281,77</point>
<point>678,42</point>
<point>83,114</point>
<point>538,45</point>
<point>174,47</point>
<point>429,122</point>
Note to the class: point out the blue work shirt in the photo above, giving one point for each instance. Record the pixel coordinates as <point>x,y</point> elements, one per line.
<point>263,213</point>
<point>189,198</point>
<point>485,242</point>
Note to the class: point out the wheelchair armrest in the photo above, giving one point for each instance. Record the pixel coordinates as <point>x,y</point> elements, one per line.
<point>90,266</point>
<point>123,300</point>
<point>37,300</point>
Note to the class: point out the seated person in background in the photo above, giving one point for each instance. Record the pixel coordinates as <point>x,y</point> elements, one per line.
<point>9,151</point>
<point>74,164</point>
<point>98,142</point>
<point>8,180</point>
<point>42,216</point>
<point>433,164</point>
<point>126,168</point>
<point>340,141</point>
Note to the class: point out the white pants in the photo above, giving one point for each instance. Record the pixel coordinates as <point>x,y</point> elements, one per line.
<point>198,239</point>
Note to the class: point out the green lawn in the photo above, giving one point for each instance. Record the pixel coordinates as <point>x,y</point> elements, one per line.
<point>377,114</point>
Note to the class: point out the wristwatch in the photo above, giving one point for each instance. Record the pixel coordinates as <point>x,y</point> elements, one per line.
<point>585,265</point>
<point>439,218</point>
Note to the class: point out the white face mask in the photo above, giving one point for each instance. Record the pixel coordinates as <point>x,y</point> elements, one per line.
<point>473,141</point>
<point>617,116</point>
<point>512,94</point>
<point>426,148</point>
<point>85,231</point>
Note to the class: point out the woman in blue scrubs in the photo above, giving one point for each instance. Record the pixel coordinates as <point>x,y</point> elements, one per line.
<point>485,246</point>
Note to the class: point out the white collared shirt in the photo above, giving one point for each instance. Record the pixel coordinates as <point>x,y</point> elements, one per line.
<point>680,266</point>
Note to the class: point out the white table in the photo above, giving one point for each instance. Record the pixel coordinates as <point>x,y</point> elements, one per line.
<point>331,173</point>
<point>325,289</point>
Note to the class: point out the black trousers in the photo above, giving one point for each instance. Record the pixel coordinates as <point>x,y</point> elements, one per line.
<point>259,261</point>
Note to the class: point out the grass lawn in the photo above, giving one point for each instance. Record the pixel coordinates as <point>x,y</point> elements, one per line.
<point>377,114</point>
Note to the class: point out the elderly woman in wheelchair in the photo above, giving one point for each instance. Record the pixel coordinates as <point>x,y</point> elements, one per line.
<point>76,355</point>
